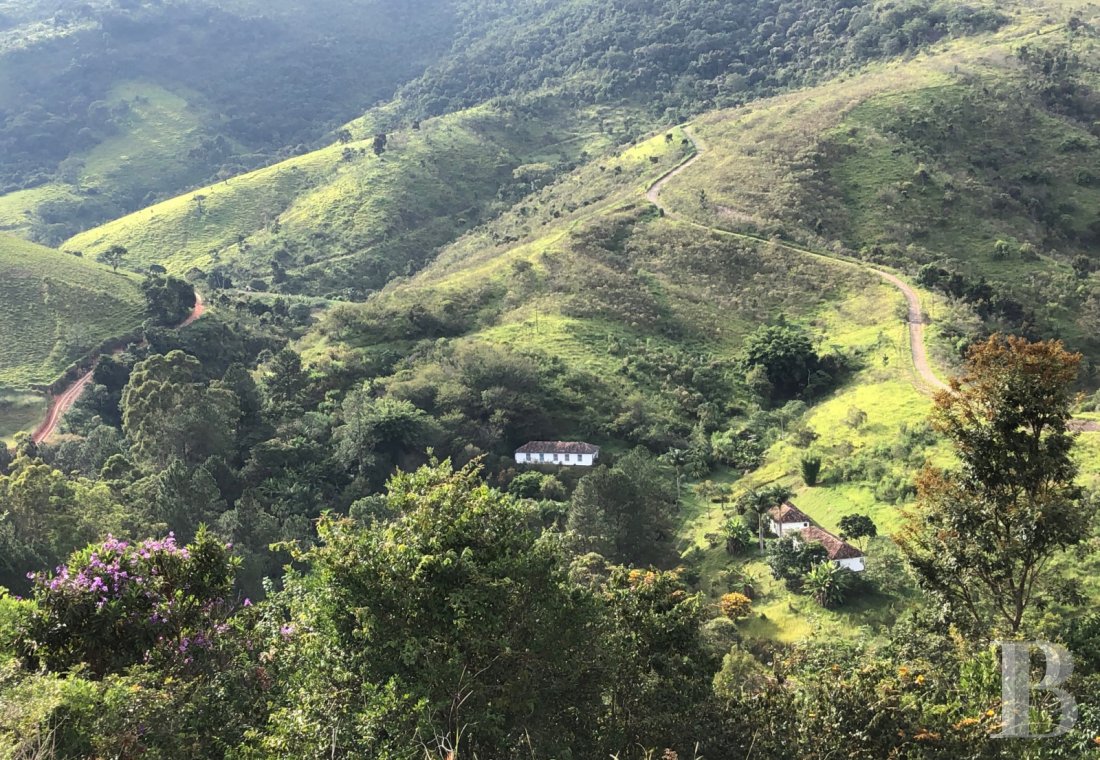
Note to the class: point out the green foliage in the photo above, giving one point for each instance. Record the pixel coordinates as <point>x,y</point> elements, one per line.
<point>209,104</point>
<point>678,55</point>
<point>790,365</point>
<point>982,536</point>
<point>758,501</point>
<point>857,527</point>
<point>169,413</point>
<point>625,512</point>
<point>791,560</point>
<point>112,256</point>
<point>459,607</point>
<point>44,516</point>
<point>827,583</point>
<point>168,300</point>
<point>739,536</point>
<point>810,467</point>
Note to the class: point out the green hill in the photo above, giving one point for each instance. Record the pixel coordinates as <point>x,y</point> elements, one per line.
<point>967,167</point>
<point>344,220</point>
<point>632,321</point>
<point>55,309</point>
<point>105,107</point>
<point>629,324</point>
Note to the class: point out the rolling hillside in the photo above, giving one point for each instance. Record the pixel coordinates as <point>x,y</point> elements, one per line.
<point>624,306</point>
<point>635,318</point>
<point>344,220</point>
<point>55,309</point>
<point>105,107</point>
<point>967,168</point>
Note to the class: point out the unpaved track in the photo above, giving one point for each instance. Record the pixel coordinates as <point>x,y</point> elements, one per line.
<point>929,383</point>
<point>916,331</point>
<point>64,401</point>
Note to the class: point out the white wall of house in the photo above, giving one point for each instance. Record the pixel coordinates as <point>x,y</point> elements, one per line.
<point>564,460</point>
<point>855,564</point>
<point>785,528</point>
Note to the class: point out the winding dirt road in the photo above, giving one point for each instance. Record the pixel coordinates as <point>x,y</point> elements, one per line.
<point>64,401</point>
<point>928,382</point>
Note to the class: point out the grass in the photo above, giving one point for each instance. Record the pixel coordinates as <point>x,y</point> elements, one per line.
<point>864,323</point>
<point>55,309</point>
<point>931,159</point>
<point>341,220</point>
<point>586,267</point>
<point>19,210</point>
<point>150,153</point>
<point>19,411</point>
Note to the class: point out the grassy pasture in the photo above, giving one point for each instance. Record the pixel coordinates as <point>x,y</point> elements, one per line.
<point>148,153</point>
<point>343,220</point>
<point>54,309</point>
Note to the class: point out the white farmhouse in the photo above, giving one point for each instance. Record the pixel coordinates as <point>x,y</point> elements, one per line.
<point>563,453</point>
<point>787,518</point>
<point>840,552</point>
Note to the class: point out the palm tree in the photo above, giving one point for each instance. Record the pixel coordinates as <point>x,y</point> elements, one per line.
<point>706,491</point>
<point>678,459</point>
<point>725,493</point>
<point>759,501</point>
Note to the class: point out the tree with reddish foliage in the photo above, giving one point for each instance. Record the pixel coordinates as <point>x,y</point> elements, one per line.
<point>982,536</point>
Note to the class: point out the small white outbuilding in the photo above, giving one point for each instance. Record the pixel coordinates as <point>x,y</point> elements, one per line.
<point>841,553</point>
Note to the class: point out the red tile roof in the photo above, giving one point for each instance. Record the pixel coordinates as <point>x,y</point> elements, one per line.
<point>557,447</point>
<point>788,513</point>
<point>837,549</point>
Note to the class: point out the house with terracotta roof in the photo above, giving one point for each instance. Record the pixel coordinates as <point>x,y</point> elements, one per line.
<point>787,518</point>
<point>562,453</point>
<point>841,553</point>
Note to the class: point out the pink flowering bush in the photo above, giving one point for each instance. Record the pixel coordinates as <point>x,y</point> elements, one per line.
<point>119,603</point>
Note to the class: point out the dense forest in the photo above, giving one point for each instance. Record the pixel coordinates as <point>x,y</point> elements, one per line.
<point>681,55</point>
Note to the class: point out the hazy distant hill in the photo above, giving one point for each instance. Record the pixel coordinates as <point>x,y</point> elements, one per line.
<point>234,85</point>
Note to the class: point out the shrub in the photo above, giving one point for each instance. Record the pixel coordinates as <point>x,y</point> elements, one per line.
<point>735,606</point>
<point>117,604</point>
<point>811,469</point>
<point>827,584</point>
<point>739,536</point>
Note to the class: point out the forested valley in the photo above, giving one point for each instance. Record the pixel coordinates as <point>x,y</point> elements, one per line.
<point>646,379</point>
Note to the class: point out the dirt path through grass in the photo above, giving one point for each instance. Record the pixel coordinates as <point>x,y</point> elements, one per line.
<point>927,381</point>
<point>64,401</point>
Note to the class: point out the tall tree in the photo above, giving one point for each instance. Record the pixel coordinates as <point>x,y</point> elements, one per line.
<point>856,527</point>
<point>168,414</point>
<point>458,607</point>
<point>982,536</point>
<point>284,383</point>
<point>378,433</point>
<point>168,300</point>
<point>625,512</point>
<point>757,503</point>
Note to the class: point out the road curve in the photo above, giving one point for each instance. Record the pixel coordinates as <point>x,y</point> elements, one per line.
<point>64,401</point>
<point>916,331</point>
<point>929,383</point>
